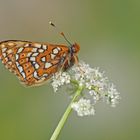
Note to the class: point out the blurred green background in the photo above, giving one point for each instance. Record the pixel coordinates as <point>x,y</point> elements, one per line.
<point>109,35</point>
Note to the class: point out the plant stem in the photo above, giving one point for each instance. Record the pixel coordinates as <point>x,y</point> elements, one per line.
<point>65,115</point>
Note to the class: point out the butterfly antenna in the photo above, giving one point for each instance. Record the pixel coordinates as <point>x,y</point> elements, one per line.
<point>61,33</point>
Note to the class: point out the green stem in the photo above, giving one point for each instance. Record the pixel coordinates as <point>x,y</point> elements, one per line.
<point>65,115</point>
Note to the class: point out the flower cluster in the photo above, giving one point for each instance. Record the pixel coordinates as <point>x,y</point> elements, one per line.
<point>83,107</point>
<point>60,79</point>
<point>96,87</point>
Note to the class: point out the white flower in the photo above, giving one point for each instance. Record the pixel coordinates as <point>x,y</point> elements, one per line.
<point>60,79</point>
<point>113,95</point>
<point>83,107</point>
<point>96,87</point>
<point>89,77</point>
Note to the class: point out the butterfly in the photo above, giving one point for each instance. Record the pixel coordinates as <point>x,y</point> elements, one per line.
<point>34,62</point>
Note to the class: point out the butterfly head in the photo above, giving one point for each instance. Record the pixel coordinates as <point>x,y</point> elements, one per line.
<point>75,48</point>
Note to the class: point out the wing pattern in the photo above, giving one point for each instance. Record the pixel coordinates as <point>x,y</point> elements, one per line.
<point>33,62</point>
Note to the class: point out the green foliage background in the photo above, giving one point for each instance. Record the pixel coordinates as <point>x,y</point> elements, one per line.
<point>109,35</point>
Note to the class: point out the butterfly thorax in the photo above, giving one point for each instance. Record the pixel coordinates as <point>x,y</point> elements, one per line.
<point>72,56</point>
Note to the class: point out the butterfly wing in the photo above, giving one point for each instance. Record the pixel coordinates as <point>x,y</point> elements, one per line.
<point>32,62</point>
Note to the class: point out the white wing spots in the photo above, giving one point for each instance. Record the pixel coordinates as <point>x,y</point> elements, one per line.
<point>32,58</point>
<point>29,54</point>
<point>2,62</point>
<point>36,66</point>
<point>44,47</point>
<point>20,50</point>
<point>4,54</point>
<point>2,46</point>
<point>36,75</point>
<point>11,44</point>
<point>52,56</point>
<point>4,49</point>
<point>9,64</point>
<point>55,51</point>
<point>37,45</point>
<point>45,75</point>
<point>64,55</point>
<point>23,75</point>
<point>42,79</point>
<point>35,54</point>
<point>26,45</point>
<point>59,48</point>
<point>17,64</point>
<point>34,49</point>
<point>41,50</point>
<point>20,69</point>
<point>6,59</point>
<point>17,56</point>
<point>9,51</point>
<point>43,59</point>
<point>47,65</point>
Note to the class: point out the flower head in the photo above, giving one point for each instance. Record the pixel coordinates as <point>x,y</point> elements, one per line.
<point>83,107</point>
<point>59,79</point>
<point>96,87</point>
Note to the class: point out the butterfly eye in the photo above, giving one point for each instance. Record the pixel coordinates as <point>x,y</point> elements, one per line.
<point>75,48</point>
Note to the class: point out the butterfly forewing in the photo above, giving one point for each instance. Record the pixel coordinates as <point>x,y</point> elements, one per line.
<point>33,62</point>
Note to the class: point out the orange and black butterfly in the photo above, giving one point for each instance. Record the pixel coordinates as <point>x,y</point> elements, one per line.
<point>34,62</point>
